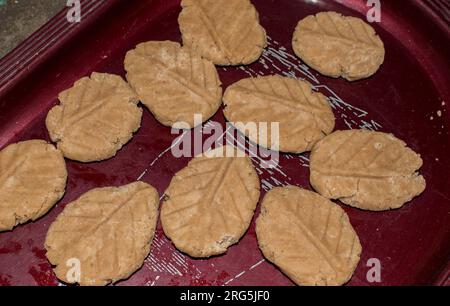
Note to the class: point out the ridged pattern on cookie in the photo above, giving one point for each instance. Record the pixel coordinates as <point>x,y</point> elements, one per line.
<point>227,32</point>
<point>337,45</point>
<point>32,179</point>
<point>304,116</point>
<point>108,230</point>
<point>209,204</point>
<point>96,117</point>
<point>174,82</point>
<point>367,170</point>
<point>308,237</point>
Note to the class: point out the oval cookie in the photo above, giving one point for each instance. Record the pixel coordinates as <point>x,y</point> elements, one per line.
<point>32,179</point>
<point>304,116</point>
<point>104,236</point>
<point>308,237</point>
<point>209,204</point>
<point>367,170</point>
<point>96,117</point>
<point>174,82</point>
<point>227,32</point>
<point>338,46</point>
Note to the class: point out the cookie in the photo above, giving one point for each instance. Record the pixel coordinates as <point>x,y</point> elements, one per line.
<point>32,179</point>
<point>227,32</point>
<point>308,237</point>
<point>368,170</point>
<point>209,204</point>
<point>174,82</point>
<point>304,116</point>
<point>338,46</point>
<point>104,236</point>
<point>96,117</point>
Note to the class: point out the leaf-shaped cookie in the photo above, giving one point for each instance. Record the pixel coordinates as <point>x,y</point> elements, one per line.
<point>368,170</point>
<point>210,203</point>
<point>304,116</point>
<point>337,45</point>
<point>32,179</point>
<point>174,82</point>
<point>308,237</point>
<point>106,234</point>
<point>96,117</point>
<point>227,32</point>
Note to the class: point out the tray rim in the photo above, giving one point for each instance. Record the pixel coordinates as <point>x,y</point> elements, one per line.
<point>53,34</point>
<point>45,41</point>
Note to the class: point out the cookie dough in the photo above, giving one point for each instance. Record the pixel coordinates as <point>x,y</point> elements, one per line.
<point>338,46</point>
<point>227,32</point>
<point>368,170</point>
<point>104,236</point>
<point>96,117</point>
<point>209,204</point>
<point>304,116</point>
<point>32,179</point>
<point>308,237</point>
<point>174,82</point>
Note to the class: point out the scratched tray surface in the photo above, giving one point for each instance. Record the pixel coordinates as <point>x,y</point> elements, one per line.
<point>412,243</point>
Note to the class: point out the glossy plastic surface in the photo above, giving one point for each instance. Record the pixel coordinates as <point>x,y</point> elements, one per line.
<point>409,97</point>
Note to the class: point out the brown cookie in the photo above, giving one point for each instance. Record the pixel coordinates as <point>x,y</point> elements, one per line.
<point>227,32</point>
<point>96,117</point>
<point>304,116</point>
<point>367,170</point>
<point>174,82</point>
<point>308,237</point>
<point>32,179</point>
<point>106,234</point>
<point>209,204</point>
<point>337,45</point>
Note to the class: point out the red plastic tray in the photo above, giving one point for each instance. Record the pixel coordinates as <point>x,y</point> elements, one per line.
<point>404,97</point>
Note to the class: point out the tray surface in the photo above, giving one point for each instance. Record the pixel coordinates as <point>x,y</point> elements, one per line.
<point>408,97</point>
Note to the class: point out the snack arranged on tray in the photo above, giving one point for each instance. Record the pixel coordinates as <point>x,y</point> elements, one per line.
<point>368,170</point>
<point>304,116</point>
<point>32,179</point>
<point>106,234</point>
<point>96,117</point>
<point>308,237</point>
<point>338,46</point>
<point>174,82</point>
<point>227,32</point>
<point>209,204</point>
